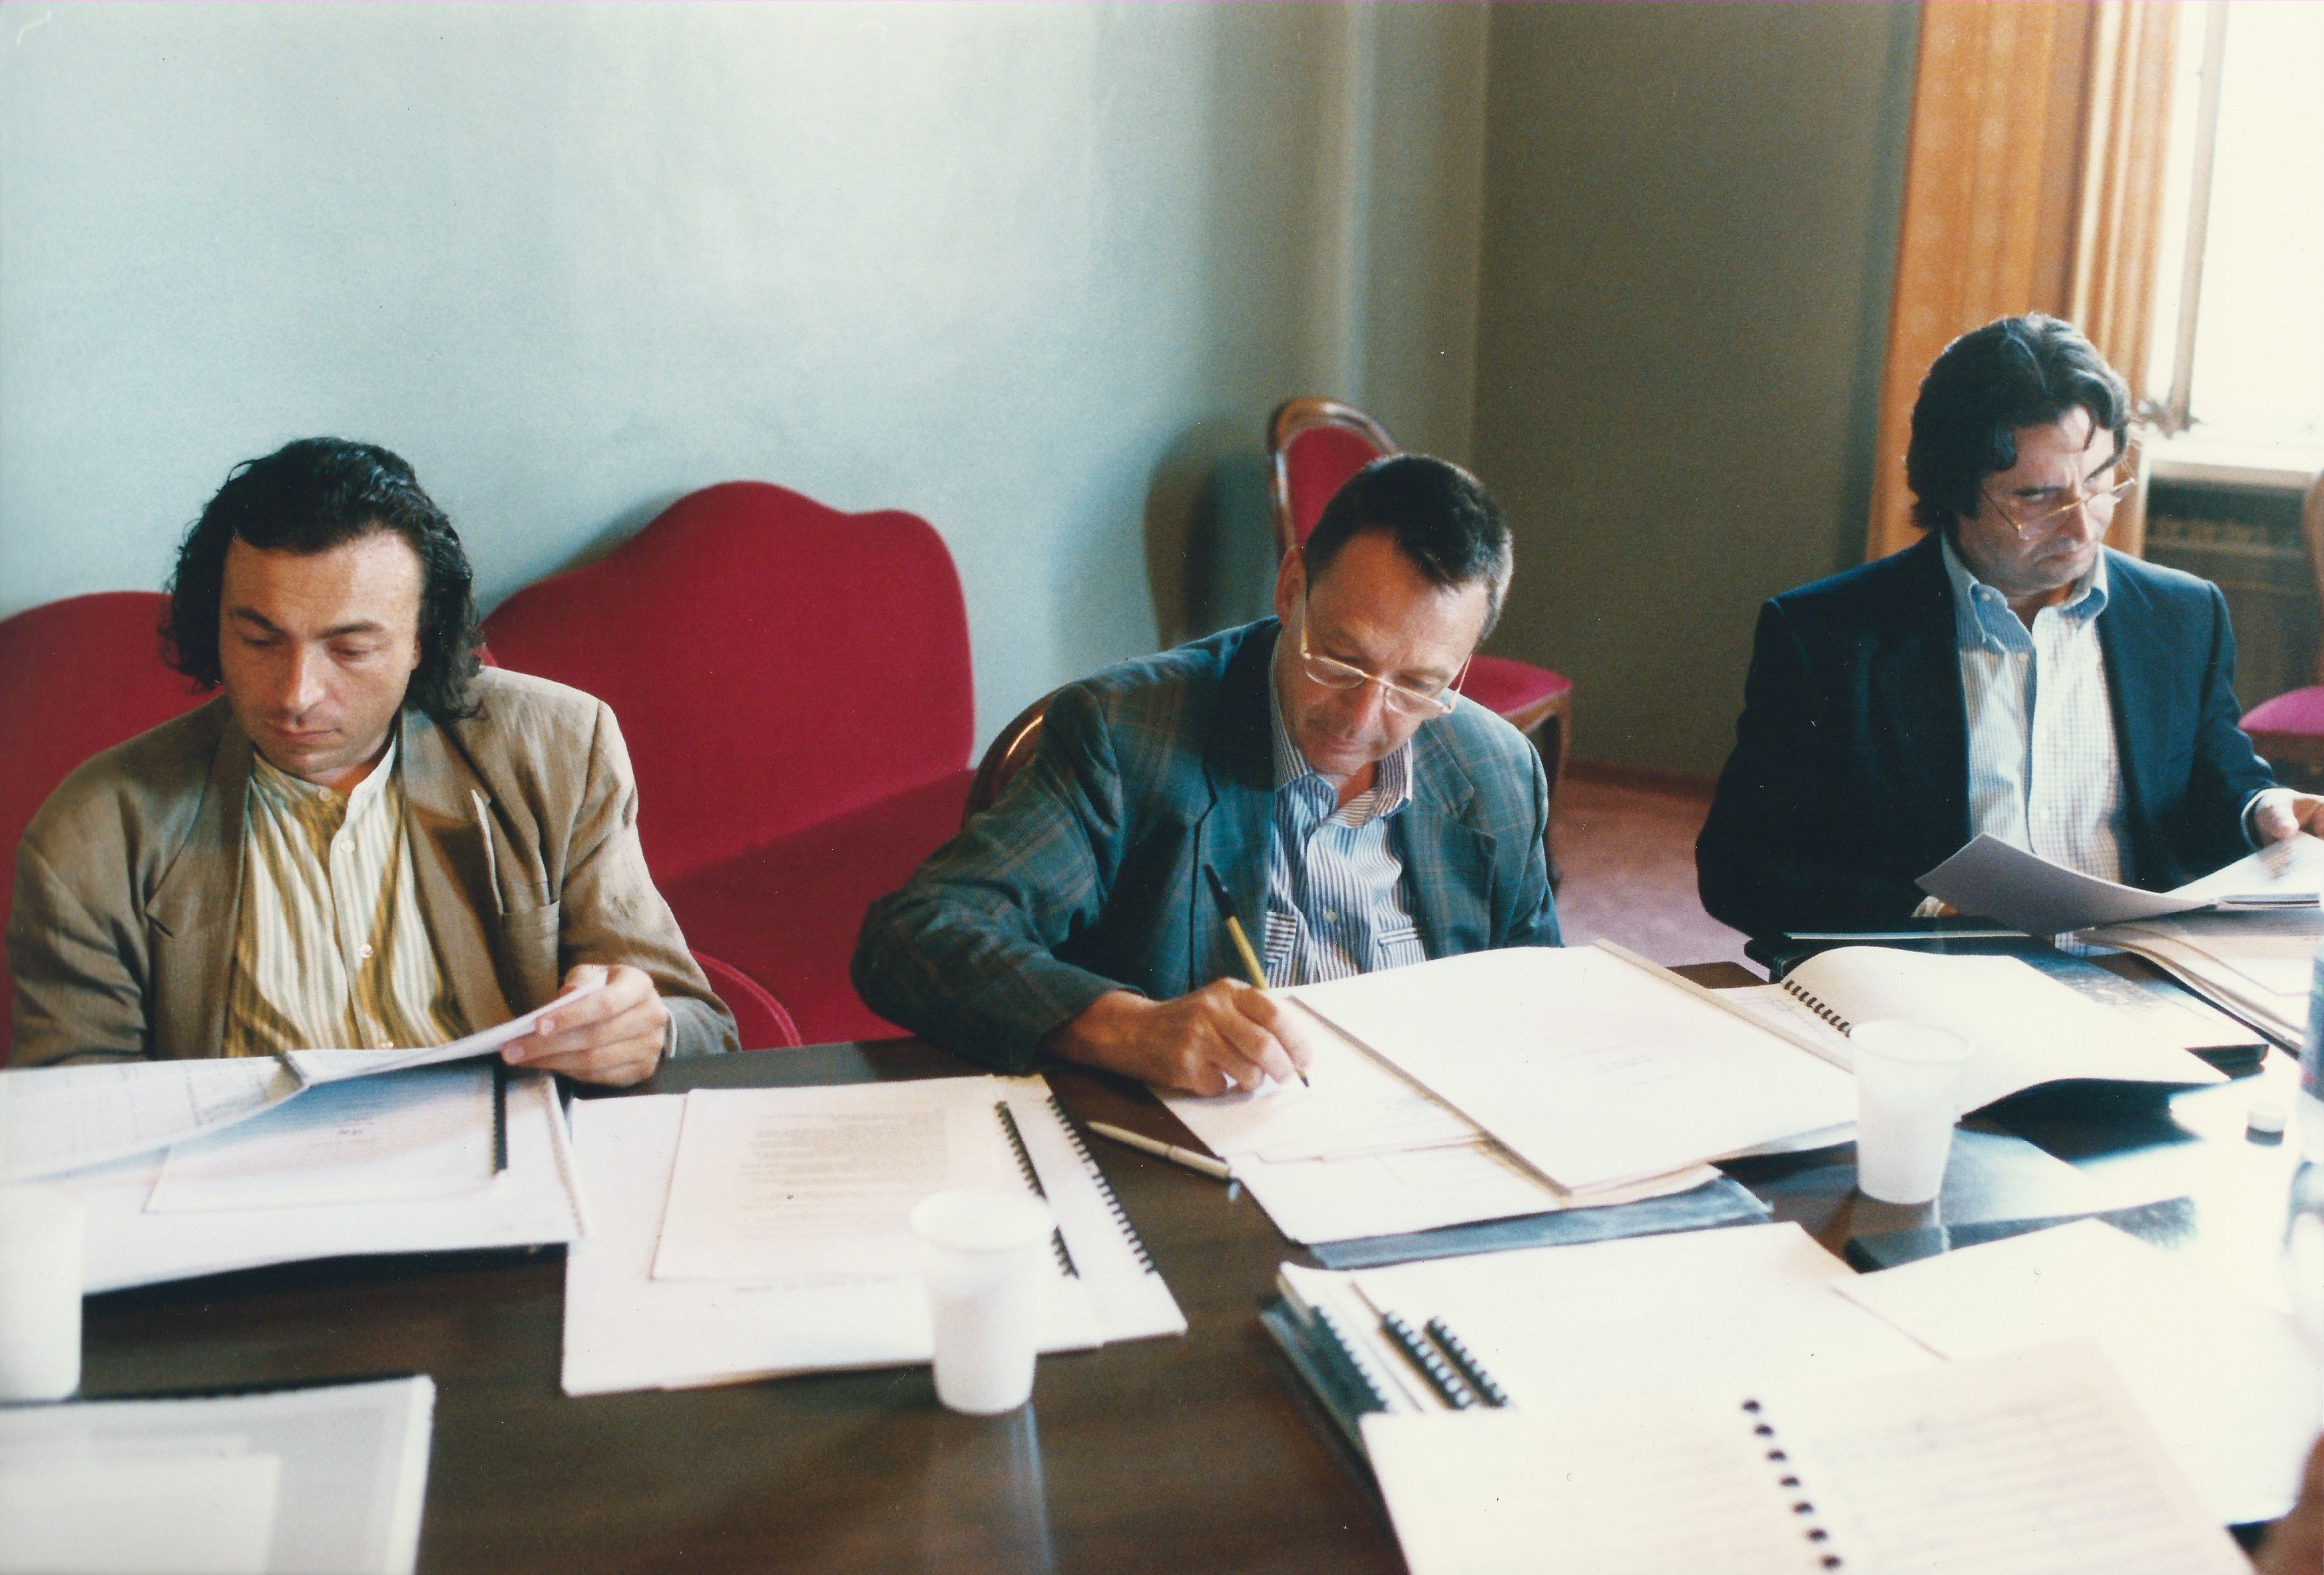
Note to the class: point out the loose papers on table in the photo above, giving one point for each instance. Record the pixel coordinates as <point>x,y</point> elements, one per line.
<point>806,1265</point>
<point>2227,1383</point>
<point>1361,1150</point>
<point>2035,1463</point>
<point>1592,1070</point>
<point>1992,878</point>
<point>57,1118</point>
<point>275,1193</point>
<point>301,1481</point>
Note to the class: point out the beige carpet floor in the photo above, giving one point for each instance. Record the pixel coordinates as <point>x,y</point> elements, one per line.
<point>1627,850</point>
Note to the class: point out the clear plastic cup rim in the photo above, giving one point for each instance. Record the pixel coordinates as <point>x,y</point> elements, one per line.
<point>1918,1043</point>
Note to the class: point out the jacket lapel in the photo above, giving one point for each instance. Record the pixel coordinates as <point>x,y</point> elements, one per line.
<point>2138,663</point>
<point>1446,861</point>
<point>195,909</point>
<point>448,820</point>
<point>1232,833</point>
<point>1916,679</point>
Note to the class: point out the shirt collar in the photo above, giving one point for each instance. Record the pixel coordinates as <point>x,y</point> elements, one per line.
<point>1981,614</point>
<point>1391,781</point>
<point>284,788</point>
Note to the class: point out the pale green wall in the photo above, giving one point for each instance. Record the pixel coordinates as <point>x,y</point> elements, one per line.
<point>1690,238</point>
<point>1037,274</point>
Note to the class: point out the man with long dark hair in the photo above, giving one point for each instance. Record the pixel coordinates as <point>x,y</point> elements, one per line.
<point>366,841</point>
<point>2009,674</point>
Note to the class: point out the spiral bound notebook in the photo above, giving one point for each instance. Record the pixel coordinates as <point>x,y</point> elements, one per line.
<point>751,1232</point>
<point>2034,1461</point>
<point>2028,1029</point>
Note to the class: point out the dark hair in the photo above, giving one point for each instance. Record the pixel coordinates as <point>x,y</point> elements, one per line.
<point>1440,517</point>
<point>2013,373</point>
<point>311,496</point>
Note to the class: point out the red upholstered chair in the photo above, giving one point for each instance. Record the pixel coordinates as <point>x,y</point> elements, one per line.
<point>793,686</point>
<point>1314,447</point>
<point>76,677</point>
<point>2289,729</point>
<point>761,1018</point>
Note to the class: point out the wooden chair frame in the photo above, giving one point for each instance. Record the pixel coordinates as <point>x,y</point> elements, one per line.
<point>2304,751</point>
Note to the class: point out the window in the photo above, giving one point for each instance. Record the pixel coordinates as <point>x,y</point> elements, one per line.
<point>2238,341</point>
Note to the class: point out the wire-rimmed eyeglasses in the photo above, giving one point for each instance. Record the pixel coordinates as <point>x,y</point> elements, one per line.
<point>1334,674</point>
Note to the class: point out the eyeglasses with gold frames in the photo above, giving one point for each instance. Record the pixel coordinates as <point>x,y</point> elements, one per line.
<point>1334,674</point>
<point>2041,507</point>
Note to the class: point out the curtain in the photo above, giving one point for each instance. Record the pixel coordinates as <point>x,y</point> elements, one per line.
<point>2033,182</point>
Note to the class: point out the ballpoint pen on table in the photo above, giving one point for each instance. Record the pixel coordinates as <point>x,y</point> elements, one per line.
<point>1202,1164</point>
<point>1242,941</point>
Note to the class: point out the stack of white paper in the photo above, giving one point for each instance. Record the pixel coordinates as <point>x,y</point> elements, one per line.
<point>1361,1150</point>
<point>299,1481</point>
<point>2227,1383</point>
<point>1561,1326</point>
<point>772,1237</point>
<point>336,1173</point>
<point>2031,1464</point>
<point>2256,965</point>
<point>1594,1071</point>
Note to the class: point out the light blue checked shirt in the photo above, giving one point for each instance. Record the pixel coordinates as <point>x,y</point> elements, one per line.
<point>2045,773</point>
<point>1334,877</point>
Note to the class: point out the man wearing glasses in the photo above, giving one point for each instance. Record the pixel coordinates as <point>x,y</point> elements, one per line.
<point>1321,761</point>
<point>2008,675</point>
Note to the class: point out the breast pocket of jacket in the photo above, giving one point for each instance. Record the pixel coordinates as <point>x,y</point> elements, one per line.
<point>529,949</point>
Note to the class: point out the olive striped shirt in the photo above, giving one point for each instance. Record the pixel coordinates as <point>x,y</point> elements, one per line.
<point>331,950</point>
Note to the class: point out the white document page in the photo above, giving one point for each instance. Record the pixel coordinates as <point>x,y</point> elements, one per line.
<point>175,1515</point>
<point>1992,878</point>
<point>2027,1029</point>
<point>625,1330</point>
<point>1562,1327</point>
<point>2227,1383</point>
<point>58,1118</point>
<point>1398,1191</point>
<point>423,1134</point>
<point>783,1182</point>
<point>1589,1069</point>
<point>303,1480</point>
<point>321,1067</point>
<point>535,1201</point>
<point>2256,965</point>
<point>2034,1464</point>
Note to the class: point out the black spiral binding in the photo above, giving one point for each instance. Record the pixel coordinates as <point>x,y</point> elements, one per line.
<point>1105,1189</point>
<point>1033,1179</point>
<point>1817,1006</point>
<point>1788,1480</point>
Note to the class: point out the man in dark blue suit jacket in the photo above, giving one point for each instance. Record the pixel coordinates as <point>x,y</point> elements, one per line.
<point>1894,711</point>
<point>1074,916</point>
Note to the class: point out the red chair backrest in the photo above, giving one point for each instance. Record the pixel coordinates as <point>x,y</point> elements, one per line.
<point>1317,464</point>
<point>773,662</point>
<point>77,677</point>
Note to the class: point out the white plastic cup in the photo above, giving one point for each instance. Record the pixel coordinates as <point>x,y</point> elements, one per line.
<point>987,1261</point>
<point>39,1292</point>
<point>1907,1098</point>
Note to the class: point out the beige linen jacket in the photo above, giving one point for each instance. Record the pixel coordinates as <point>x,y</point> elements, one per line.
<point>129,879</point>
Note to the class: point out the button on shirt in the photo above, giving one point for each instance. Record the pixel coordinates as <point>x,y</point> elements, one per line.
<point>331,950</point>
<point>2044,769</point>
<point>1334,876</point>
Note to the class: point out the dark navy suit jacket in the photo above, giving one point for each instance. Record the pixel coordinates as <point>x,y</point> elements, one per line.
<point>1850,777</point>
<point>1086,875</point>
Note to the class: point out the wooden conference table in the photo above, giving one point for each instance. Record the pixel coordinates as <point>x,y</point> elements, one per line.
<point>1165,1455</point>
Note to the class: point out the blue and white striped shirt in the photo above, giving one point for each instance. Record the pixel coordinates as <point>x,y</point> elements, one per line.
<point>1335,902</point>
<point>2045,771</point>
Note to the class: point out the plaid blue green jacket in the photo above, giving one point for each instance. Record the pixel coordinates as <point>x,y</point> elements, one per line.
<point>1086,875</point>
